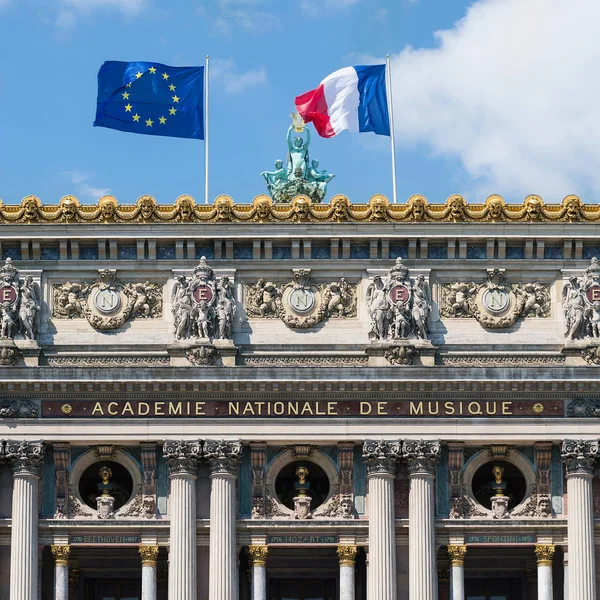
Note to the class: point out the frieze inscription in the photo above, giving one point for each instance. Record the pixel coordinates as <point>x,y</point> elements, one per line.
<point>302,409</point>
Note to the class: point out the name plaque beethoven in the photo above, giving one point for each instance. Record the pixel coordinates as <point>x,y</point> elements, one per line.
<point>302,539</point>
<point>500,539</point>
<point>105,539</point>
<point>300,408</point>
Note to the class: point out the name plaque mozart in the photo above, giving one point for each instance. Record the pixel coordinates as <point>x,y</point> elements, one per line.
<point>302,539</point>
<point>500,539</point>
<point>300,408</point>
<point>105,539</point>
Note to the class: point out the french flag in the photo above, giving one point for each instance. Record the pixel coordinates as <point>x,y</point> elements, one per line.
<point>352,98</point>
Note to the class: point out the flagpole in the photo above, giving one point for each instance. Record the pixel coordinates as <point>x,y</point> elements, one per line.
<point>206,130</point>
<point>392,137</point>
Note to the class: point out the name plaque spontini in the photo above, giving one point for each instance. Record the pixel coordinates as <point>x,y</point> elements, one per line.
<point>93,540</point>
<point>500,539</point>
<point>301,408</point>
<point>302,539</point>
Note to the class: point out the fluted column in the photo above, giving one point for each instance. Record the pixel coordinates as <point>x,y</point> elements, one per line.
<point>456,553</point>
<point>347,556</point>
<point>26,460</point>
<point>223,458</point>
<point>579,457</point>
<point>380,458</point>
<point>61,571</point>
<point>182,458</point>
<point>258,558</point>
<point>149,556</point>
<point>544,554</point>
<point>422,570</point>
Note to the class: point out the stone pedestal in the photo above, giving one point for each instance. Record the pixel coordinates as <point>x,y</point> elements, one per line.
<point>347,556</point>
<point>26,460</point>
<point>380,458</point>
<point>149,556</point>
<point>456,553</point>
<point>105,506</point>
<point>61,571</point>
<point>223,458</point>
<point>544,554</point>
<point>421,457</point>
<point>579,457</point>
<point>499,507</point>
<point>182,459</point>
<point>258,559</point>
<point>302,507</point>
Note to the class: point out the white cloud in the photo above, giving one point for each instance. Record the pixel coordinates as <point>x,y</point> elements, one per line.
<point>512,91</point>
<point>240,14</point>
<point>233,80</point>
<point>83,188</point>
<point>69,10</point>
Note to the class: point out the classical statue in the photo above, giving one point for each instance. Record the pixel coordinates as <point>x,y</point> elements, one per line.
<point>105,486</point>
<point>301,176</point>
<point>29,306</point>
<point>574,309</point>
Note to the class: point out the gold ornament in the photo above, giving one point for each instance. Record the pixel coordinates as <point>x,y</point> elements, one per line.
<point>544,554</point>
<point>258,555</point>
<point>457,554</point>
<point>538,408</point>
<point>298,122</point>
<point>149,555</point>
<point>347,555</point>
<point>66,409</point>
<point>61,554</point>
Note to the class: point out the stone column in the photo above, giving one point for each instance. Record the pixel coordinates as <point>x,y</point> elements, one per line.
<point>544,554</point>
<point>223,458</point>
<point>457,571</point>
<point>182,458</point>
<point>61,571</point>
<point>422,570</point>
<point>258,557</point>
<point>381,458</point>
<point>26,460</point>
<point>149,555</point>
<point>347,556</point>
<point>579,457</point>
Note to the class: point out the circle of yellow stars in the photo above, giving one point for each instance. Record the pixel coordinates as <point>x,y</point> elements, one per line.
<point>149,122</point>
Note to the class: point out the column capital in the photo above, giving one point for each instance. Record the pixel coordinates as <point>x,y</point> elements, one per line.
<point>579,456</point>
<point>421,456</point>
<point>347,555</point>
<point>223,456</point>
<point>381,456</point>
<point>544,554</point>
<point>149,555</point>
<point>182,456</point>
<point>456,553</point>
<point>26,457</point>
<point>258,555</point>
<point>61,554</point>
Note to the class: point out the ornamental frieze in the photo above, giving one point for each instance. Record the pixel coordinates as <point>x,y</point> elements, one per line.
<point>495,303</point>
<point>301,302</point>
<point>107,303</point>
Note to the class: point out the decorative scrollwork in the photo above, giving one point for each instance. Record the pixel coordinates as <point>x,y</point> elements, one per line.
<point>202,355</point>
<point>401,355</point>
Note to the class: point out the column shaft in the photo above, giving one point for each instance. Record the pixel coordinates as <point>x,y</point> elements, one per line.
<point>222,561</point>
<point>149,556</point>
<point>582,576</point>
<point>456,553</point>
<point>382,538</point>
<point>24,538</point>
<point>61,571</point>
<point>258,558</point>
<point>182,565</point>
<point>347,555</point>
<point>422,574</point>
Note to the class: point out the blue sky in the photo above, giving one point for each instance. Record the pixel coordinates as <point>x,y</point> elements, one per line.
<point>480,109</point>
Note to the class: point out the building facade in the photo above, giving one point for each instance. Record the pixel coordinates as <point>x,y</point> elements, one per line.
<point>299,401</point>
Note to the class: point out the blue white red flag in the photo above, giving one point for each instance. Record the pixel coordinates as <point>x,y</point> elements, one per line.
<point>353,98</point>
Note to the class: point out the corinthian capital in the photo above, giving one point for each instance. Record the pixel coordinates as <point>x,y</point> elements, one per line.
<point>421,456</point>
<point>381,456</point>
<point>182,456</point>
<point>223,456</point>
<point>579,456</point>
<point>26,457</point>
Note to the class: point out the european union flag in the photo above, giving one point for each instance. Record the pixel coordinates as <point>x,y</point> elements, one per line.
<point>150,98</point>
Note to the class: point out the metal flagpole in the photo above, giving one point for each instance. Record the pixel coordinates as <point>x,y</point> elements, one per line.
<point>206,130</point>
<point>388,71</point>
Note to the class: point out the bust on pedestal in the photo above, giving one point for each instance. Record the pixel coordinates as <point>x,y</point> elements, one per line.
<point>302,500</point>
<point>499,500</point>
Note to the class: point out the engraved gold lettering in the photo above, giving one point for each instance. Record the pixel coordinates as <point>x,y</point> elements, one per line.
<point>365,408</point>
<point>6,294</point>
<point>259,406</point>
<point>382,408</point>
<point>174,408</point>
<point>278,408</point>
<point>595,294</point>
<point>97,409</point>
<point>474,408</point>
<point>449,408</point>
<point>234,408</point>
<point>200,408</point>
<point>332,408</point>
<point>292,408</point>
<point>507,408</point>
<point>416,409</point>
<point>127,409</point>
<point>248,409</point>
<point>491,408</point>
<point>318,410</point>
<point>307,408</point>
<point>435,409</point>
<point>110,410</point>
<point>159,409</point>
<point>143,409</point>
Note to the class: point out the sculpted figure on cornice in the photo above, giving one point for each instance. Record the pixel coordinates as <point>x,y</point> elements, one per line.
<point>581,304</point>
<point>301,302</point>
<point>495,303</point>
<point>398,306</point>
<point>300,208</point>
<point>202,306</point>
<point>20,301</point>
<point>107,303</point>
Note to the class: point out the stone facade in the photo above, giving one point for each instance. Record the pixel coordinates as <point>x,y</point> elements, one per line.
<point>217,402</point>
